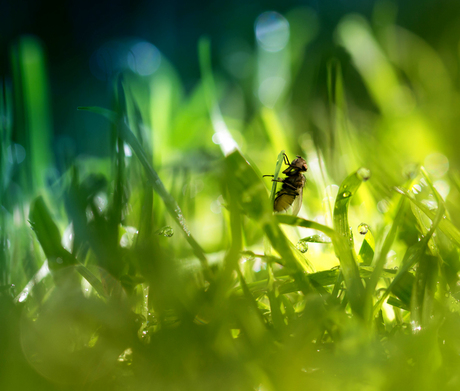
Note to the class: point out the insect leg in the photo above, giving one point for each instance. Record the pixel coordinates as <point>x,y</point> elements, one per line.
<point>286,160</point>
<point>267,175</point>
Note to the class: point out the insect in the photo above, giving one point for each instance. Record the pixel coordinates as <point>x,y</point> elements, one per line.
<point>290,195</point>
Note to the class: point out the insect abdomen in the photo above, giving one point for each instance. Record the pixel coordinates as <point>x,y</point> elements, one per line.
<point>283,202</point>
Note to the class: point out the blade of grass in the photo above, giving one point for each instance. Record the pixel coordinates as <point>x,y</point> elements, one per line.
<point>50,239</point>
<point>272,288</point>
<point>279,163</point>
<point>48,235</point>
<point>225,139</point>
<point>171,205</point>
<point>224,282</point>
<point>341,237</point>
<point>322,278</point>
<point>412,256</point>
<point>340,246</point>
<point>445,225</point>
<point>382,256</point>
<point>37,130</point>
<point>344,247</point>
<point>247,293</point>
<point>300,222</point>
<point>366,252</point>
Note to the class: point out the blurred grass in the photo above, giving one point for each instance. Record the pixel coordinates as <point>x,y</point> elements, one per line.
<point>151,267</point>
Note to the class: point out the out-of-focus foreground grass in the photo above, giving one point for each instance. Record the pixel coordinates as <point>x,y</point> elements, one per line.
<point>163,266</point>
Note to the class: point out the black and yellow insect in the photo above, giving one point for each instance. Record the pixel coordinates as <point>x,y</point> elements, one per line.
<point>289,198</point>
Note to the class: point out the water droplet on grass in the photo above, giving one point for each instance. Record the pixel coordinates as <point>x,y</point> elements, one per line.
<point>363,229</point>
<point>346,194</point>
<point>415,326</point>
<point>364,174</point>
<point>166,231</point>
<point>249,257</point>
<point>302,246</point>
<point>383,206</point>
<point>416,189</point>
<point>316,239</point>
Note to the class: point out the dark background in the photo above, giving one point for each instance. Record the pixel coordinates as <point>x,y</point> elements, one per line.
<point>72,31</point>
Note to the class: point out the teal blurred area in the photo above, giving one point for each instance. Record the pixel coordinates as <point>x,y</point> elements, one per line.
<point>85,43</point>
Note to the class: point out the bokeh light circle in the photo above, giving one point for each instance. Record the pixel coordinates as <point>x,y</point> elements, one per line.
<point>272,31</point>
<point>144,58</point>
<point>437,164</point>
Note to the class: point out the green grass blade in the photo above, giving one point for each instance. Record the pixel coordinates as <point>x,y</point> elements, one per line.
<point>171,205</point>
<point>341,237</point>
<point>300,222</point>
<point>37,132</point>
<point>344,243</point>
<point>272,291</point>
<point>92,279</point>
<point>233,255</point>
<point>348,263</point>
<point>445,225</point>
<point>412,256</point>
<point>366,252</point>
<point>226,141</point>
<point>382,255</point>
<point>48,234</point>
<point>322,278</point>
<point>279,163</point>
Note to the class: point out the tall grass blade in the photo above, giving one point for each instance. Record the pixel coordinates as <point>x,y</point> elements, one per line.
<point>171,205</point>
<point>412,256</point>
<point>343,244</point>
<point>445,225</point>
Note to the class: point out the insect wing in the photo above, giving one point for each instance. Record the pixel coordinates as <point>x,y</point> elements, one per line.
<point>297,204</point>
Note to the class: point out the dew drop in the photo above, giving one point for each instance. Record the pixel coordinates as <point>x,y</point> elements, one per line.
<point>383,206</point>
<point>416,327</point>
<point>166,231</point>
<point>302,246</point>
<point>346,194</point>
<point>363,229</point>
<point>316,239</point>
<point>249,256</point>
<point>416,189</point>
<point>363,173</point>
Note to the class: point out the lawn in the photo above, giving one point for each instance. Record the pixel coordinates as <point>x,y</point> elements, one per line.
<point>161,265</point>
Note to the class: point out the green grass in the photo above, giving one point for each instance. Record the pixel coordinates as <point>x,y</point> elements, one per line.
<point>163,266</point>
